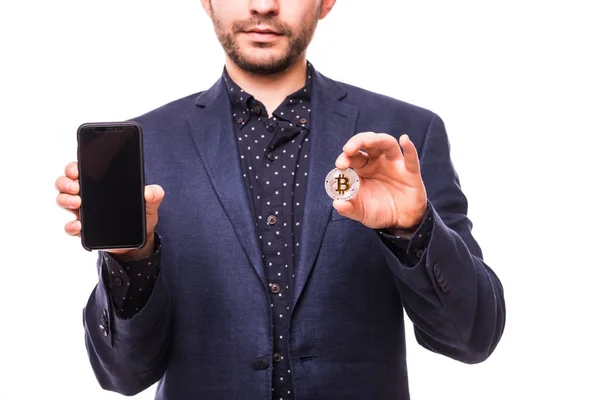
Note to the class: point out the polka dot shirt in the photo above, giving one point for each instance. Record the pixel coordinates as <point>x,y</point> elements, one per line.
<point>131,282</point>
<point>273,151</point>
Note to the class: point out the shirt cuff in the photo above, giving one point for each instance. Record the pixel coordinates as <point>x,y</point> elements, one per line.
<point>410,247</point>
<point>131,282</point>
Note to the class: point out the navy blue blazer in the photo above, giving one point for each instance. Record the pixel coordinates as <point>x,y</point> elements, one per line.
<point>208,319</point>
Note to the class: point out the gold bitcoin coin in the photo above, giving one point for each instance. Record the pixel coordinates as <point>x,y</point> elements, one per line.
<point>342,184</point>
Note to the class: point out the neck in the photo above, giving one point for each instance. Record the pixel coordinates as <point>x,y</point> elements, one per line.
<point>270,90</point>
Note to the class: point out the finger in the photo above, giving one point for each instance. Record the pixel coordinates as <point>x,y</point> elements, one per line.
<point>68,201</point>
<point>67,185</point>
<point>73,228</point>
<point>71,170</point>
<point>411,158</point>
<point>374,144</point>
<point>154,195</point>
<point>357,161</point>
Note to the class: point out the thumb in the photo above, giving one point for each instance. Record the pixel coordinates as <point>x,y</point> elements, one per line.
<point>154,195</point>
<point>346,208</point>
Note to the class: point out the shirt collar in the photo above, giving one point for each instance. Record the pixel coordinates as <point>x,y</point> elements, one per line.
<point>243,103</point>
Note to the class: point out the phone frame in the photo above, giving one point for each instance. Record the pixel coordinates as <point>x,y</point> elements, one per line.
<point>113,126</point>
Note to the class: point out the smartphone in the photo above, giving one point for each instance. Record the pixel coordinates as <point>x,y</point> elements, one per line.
<point>111,181</point>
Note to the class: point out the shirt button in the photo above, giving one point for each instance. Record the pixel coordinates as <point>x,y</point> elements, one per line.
<point>260,363</point>
<point>271,156</point>
<point>276,357</point>
<point>118,281</point>
<point>271,220</point>
<point>303,120</point>
<point>256,109</point>
<point>240,120</point>
<point>275,288</point>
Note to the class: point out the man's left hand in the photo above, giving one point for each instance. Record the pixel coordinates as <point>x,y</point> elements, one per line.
<point>392,193</point>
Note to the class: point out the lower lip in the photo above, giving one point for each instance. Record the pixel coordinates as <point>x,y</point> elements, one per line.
<point>262,37</point>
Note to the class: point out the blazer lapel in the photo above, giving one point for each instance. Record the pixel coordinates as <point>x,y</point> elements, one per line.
<point>212,130</point>
<point>333,123</point>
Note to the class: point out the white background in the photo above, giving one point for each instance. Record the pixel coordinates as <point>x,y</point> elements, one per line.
<point>517,83</point>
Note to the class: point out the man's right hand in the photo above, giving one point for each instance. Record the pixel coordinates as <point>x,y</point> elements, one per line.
<point>68,199</point>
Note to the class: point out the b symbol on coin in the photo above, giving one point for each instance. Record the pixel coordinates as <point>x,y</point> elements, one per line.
<point>342,184</point>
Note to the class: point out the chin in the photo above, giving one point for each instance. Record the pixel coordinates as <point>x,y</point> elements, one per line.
<point>261,58</point>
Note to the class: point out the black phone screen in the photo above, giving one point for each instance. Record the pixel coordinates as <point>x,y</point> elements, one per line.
<point>111,178</point>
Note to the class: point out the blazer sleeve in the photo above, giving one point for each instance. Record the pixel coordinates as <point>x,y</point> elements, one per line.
<point>127,355</point>
<point>454,299</point>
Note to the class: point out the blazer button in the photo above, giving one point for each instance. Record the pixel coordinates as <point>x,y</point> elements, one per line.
<point>440,278</point>
<point>260,363</point>
<point>419,253</point>
<point>444,286</point>
<point>104,322</point>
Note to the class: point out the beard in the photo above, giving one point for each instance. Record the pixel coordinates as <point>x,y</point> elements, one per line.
<point>269,63</point>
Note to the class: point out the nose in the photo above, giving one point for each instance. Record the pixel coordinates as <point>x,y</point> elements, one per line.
<point>264,7</point>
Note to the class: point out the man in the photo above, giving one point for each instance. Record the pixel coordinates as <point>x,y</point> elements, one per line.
<point>254,284</point>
